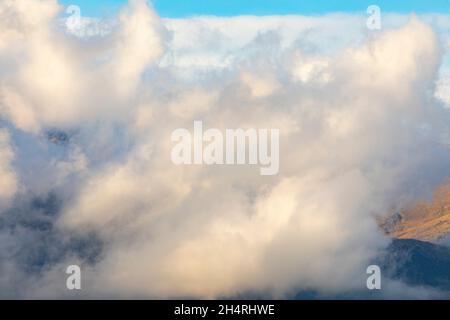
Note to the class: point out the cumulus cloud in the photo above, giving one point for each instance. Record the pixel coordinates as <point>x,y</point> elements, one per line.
<point>9,181</point>
<point>359,128</point>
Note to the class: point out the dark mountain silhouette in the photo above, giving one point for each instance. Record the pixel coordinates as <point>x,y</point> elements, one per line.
<point>418,263</point>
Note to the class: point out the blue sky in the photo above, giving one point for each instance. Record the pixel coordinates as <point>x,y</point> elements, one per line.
<point>185,8</point>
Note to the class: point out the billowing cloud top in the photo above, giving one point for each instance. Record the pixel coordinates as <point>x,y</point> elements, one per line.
<point>89,120</point>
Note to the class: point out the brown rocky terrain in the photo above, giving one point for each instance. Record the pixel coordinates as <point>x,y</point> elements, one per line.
<point>427,220</point>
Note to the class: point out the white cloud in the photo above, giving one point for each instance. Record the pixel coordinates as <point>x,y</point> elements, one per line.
<point>352,118</point>
<point>8,180</point>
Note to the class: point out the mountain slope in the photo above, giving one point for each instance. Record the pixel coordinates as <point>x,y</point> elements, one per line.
<point>418,263</point>
<point>424,220</point>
